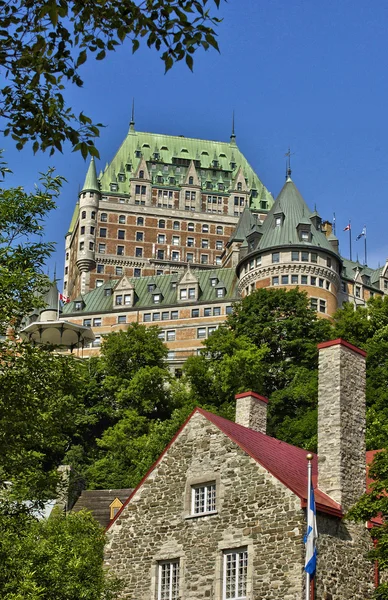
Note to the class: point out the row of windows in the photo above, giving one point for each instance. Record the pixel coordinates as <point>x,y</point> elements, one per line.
<point>204,332</point>
<point>139,253</point>
<point>304,280</point>
<point>234,576</point>
<point>140,221</point>
<point>173,315</point>
<point>303,256</point>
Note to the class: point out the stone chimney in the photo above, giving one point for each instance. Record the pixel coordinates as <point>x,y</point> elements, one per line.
<point>341,422</point>
<point>251,411</point>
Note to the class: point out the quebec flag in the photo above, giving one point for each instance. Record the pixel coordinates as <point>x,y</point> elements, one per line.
<point>311,537</point>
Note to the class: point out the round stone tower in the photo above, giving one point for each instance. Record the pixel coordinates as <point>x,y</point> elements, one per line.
<point>89,199</point>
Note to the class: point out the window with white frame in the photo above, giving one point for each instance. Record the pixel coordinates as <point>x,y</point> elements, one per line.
<point>235,570</point>
<point>203,498</point>
<point>168,580</point>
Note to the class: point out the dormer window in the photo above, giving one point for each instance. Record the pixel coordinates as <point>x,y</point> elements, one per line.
<point>304,236</point>
<point>108,292</point>
<point>239,186</point>
<point>220,292</point>
<point>79,305</point>
<point>138,153</point>
<point>213,281</point>
<point>121,177</point>
<point>119,300</point>
<point>141,174</point>
<point>114,187</point>
<point>157,298</point>
<point>172,180</point>
<point>151,287</point>
<point>191,180</point>
<point>278,221</point>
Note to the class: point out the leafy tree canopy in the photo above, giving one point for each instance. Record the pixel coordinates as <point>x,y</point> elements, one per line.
<point>60,557</point>
<point>43,44</point>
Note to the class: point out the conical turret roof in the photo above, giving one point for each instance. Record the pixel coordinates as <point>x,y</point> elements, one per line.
<point>245,225</point>
<point>91,181</point>
<point>295,213</point>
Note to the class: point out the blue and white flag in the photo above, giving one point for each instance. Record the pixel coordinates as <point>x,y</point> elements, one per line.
<point>311,537</point>
<point>360,235</point>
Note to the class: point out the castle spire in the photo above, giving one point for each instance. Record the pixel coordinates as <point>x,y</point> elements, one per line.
<point>233,134</point>
<point>91,181</point>
<point>132,121</point>
<point>288,165</point>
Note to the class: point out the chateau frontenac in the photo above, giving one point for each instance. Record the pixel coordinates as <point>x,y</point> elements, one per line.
<point>175,230</point>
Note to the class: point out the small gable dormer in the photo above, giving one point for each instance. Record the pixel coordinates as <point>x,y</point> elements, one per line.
<point>157,296</point>
<point>220,289</point>
<point>114,507</point>
<point>316,220</point>
<point>124,294</point>
<point>304,230</point>
<point>142,171</point>
<point>192,176</point>
<point>239,183</point>
<point>278,218</point>
<point>188,287</point>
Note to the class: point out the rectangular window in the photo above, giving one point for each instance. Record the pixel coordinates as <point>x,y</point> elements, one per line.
<point>104,218</point>
<point>216,311</point>
<point>175,240</point>
<point>304,279</point>
<point>168,580</point>
<point>314,257</point>
<point>195,313</point>
<point>305,256</point>
<point>190,242</point>
<point>100,268</point>
<point>203,498</point>
<point>97,322</point>
<point>127,299</point>
<point>138,252</point>
<point>235,574</point>
<point>218,245</point>
<point>160,254</point>
<point>156,316</point>
<point>205,244</point>
<point>147,317</point>
<point>137,272</point>
<point>207,312</point>
<point>294,255</point>
<point>275,280</point>
<point>220,292</point>
<point>122,319</point>
<point>205,228</point>
<point>174,314</point>
<point>189,257</point>
<point>119,271</point>
<point>358,291</point>
<point>119,300</point>
<point>229,310</point>
<point>183,294</point>
<point>175,255</point>
<point>120,250</point>
<point>313,280</point>
<point>258,261</point>
<point>87,322</point>
<point>165,316</point>
<point>122,219</point>
<point>294,279</point>
<point>161,238</point>
<point>204,259</point>
<point>103,231</point>
<point>328,285</point>
<point>139,236</point>
<point>321,282</point>
<point>328,262</point>
<point>314,303</point>
<point>191,293</point>
<point>322,306</point>
<point>121,234</point>
<point>275,257</point>
<point>201,332</point>
<point>284,279</point>
<point>170,335</point>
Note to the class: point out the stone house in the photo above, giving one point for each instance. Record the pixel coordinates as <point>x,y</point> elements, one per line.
<point>221,514</point>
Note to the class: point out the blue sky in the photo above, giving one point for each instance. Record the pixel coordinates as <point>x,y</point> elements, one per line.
<point>306,74</point>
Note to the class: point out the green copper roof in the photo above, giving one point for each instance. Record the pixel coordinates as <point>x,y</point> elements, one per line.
<point>74,219</point>
<point>97,301</point>
<point>296,212</point>
<point>91,182</point>
<point>228,156</point>
<point>350,267</point>
<point>244,226</point>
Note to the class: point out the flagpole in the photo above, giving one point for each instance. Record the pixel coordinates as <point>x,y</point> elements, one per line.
<point>365,244</point>
<point>350,240</point>
<point>58,308</point>
<point>309,471</point>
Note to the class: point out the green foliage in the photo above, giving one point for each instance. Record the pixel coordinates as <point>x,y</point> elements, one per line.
<point>39,407</point>
<point>22,251</point>
<point>44,43</point>
<point>60,557</point>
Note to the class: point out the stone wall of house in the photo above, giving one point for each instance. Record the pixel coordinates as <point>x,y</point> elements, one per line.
<point>343,570</point>
<point>253,510</point>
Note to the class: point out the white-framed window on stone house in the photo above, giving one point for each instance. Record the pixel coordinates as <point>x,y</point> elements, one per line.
<point>203,498</point>
<point>235,574</point>
<point>168,580</point>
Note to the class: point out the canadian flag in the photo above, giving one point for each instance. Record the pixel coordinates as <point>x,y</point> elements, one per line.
<point>347,228</point>
<point>64,299</point>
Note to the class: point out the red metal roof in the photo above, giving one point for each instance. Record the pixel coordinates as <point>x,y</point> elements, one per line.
<point>285,462</point>
<point>341,342</point>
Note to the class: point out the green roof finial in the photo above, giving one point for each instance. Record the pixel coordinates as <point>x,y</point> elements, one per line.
<point>288,164</point>
<point>233,135</point>
<point>91,182</point>
<point>132,121</point>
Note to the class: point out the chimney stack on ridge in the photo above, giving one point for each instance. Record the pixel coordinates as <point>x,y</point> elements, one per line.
<point>251,411</point>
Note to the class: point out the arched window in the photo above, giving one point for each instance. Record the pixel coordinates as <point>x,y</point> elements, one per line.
<point>141,174</point>
<point>162,224</point>
<point>191,180</point>
<point>239,186</point>
<point>93,214</point>
<point>219,230</point>
<point>104,217</point>
<point>140,221</point>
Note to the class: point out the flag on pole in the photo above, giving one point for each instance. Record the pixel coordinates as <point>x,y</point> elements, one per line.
<point>64,299</point>
<point>362,234</point>
<point>347,228</point>
<point>311,536</point>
